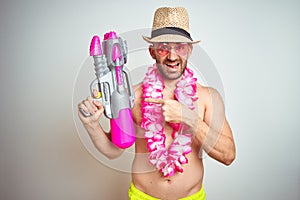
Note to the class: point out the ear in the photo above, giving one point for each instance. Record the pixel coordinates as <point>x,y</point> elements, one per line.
<point>152,51</point>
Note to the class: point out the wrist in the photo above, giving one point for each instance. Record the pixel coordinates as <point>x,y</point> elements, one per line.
<point>92,125</point>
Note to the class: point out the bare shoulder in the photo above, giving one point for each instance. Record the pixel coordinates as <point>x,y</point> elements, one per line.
<point>208,95</point>
<point>212,103</point>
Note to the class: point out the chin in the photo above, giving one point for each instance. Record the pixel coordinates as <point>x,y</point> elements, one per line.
<point>171,76</point>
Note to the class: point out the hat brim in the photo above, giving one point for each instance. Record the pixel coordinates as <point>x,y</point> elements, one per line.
<point>169,38</point>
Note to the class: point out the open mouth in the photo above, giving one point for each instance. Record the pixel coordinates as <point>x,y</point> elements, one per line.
<point>173,66</point>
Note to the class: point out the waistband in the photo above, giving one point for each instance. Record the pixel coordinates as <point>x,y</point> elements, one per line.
<point>136,194</point>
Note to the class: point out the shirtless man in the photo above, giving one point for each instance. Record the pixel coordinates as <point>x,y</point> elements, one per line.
<point>206,123</point>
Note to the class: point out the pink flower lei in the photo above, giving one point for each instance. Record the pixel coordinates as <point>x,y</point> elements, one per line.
<point>167,160</point>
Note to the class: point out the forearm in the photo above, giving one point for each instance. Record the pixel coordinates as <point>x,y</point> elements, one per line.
<point>102,142</point>
<point>218,146</point>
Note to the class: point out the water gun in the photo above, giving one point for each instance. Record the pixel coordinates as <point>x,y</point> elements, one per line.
<point>113,83</point>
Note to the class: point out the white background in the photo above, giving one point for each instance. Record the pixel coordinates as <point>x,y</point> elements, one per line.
<point>255,48</point>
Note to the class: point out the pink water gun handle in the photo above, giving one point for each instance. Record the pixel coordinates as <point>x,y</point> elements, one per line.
<point>122,129</point>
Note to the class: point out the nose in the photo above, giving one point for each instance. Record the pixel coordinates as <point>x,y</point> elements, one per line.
<point>172,55</point>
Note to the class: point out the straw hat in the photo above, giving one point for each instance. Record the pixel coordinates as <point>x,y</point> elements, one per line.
<point>170,25</point>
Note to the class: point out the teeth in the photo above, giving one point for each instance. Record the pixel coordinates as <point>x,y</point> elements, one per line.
<point>173,65</point>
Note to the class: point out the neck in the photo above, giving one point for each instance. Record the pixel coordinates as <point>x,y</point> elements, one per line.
<point>170,83</point>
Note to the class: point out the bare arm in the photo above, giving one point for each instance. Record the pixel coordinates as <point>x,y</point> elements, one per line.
<point>213,132</point>
<point>99,137</point>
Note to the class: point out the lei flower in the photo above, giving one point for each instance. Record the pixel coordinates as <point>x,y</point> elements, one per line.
<point>166,160</point>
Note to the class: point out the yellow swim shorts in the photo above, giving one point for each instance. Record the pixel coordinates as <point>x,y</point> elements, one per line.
<point>136,194</point>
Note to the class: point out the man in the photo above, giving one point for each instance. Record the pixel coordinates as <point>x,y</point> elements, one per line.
<point>176,118</point>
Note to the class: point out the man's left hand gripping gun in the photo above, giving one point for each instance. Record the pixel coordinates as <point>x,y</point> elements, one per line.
<point>114,87</point>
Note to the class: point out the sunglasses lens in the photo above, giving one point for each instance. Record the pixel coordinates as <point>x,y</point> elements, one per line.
<point>182,49</point>
<point>164,49</point>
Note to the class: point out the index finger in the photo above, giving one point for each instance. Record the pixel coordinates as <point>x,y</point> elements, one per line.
<point>154,100</point>
<point>96,94</point>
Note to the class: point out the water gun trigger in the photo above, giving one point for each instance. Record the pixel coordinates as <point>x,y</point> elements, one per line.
<point>95,90</point>
<point>97,94</point>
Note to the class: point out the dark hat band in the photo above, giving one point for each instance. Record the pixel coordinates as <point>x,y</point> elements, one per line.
<point>172,31</point>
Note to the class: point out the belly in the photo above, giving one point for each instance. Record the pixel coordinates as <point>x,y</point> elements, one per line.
<point>150,181</point>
